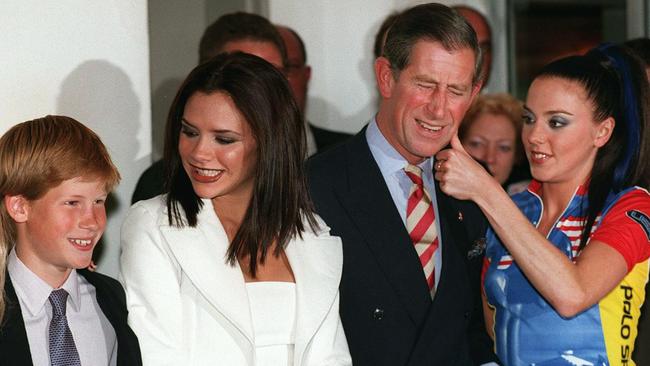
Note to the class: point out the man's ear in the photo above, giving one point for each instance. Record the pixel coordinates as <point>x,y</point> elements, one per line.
<point>384,76</point>
<point>17,207</point>
<point>604,132</point>
<point>307,72</point>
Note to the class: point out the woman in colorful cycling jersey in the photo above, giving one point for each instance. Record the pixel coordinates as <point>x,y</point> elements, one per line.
<point>567,260</point>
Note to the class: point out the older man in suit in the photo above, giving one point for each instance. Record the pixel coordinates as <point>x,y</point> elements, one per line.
<point>410,285</point>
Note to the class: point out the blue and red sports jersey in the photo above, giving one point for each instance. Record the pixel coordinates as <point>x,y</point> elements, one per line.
<point>528,330</point>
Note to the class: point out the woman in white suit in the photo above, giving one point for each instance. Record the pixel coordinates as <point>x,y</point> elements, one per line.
<point>231,266</point>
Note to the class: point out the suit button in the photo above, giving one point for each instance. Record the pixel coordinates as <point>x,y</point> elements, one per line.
<point>378,314</point>
<point>466,314</point>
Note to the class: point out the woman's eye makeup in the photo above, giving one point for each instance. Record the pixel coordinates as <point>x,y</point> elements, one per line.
<point>219,138</point>
<point>527,117</point>
<point>224,140</point>
<point>188,131</point>
<point>557,122</point>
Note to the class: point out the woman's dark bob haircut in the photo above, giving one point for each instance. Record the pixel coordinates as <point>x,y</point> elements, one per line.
<point>280,206</point>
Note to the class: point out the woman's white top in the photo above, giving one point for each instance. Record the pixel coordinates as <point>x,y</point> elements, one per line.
<point>273,311</point>
<point>189,307</point>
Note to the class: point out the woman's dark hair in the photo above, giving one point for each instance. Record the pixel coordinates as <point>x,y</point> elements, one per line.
<point>280,199</point>
<point>615,82</point>
<point>641,48</point>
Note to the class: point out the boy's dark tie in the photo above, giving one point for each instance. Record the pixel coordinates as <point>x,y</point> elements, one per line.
<point>63,351</point>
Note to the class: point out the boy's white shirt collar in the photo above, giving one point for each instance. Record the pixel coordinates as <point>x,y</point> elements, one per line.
<point>33,290</point>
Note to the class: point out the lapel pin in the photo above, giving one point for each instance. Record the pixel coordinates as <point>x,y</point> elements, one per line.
<point>477,249</point>
<point>460,216</point>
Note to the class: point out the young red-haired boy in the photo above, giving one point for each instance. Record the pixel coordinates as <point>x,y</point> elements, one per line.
<point>55,175</point>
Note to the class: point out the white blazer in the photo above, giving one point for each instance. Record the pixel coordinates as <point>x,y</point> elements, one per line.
<point>189,307</point>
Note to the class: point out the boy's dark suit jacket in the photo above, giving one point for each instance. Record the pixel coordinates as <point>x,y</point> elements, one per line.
<point>387,312</point>
<point>14,347</point>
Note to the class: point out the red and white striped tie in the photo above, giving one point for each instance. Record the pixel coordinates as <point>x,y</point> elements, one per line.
<point>421,225</point>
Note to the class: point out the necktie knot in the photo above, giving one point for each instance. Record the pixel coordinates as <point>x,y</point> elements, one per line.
<point>414,172</point>
<point>58,300</point>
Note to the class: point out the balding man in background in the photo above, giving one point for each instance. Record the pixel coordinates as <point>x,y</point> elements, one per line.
<point>483,34</point>
<point>299,74</point>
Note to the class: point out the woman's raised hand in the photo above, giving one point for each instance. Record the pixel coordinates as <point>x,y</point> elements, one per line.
<point>459,174</point>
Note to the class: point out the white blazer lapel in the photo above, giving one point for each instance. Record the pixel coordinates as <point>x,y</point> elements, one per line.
<point>201,253</point>
<point>316,262</point>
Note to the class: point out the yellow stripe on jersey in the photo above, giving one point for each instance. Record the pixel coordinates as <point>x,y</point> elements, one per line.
<point>619,315</point>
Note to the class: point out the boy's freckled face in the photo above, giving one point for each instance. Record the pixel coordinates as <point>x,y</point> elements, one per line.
<point>63,227</point>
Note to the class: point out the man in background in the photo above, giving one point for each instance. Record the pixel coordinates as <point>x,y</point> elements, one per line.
<point>299,74</point>
<point>484,35</point>
<point>380,36</point>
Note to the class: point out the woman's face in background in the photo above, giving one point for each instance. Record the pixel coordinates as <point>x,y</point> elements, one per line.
<point>492,139</point>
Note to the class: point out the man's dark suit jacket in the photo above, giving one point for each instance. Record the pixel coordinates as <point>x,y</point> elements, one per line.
<point>326,139</point>
<point>387,312</point>
<point>14,346</point>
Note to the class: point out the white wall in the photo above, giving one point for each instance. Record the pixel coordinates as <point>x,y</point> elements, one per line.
<point>175,29</point>
<point>88,60</point>
<point>339,37</point>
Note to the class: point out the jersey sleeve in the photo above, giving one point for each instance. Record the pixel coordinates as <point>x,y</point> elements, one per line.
<point>626,227</point>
